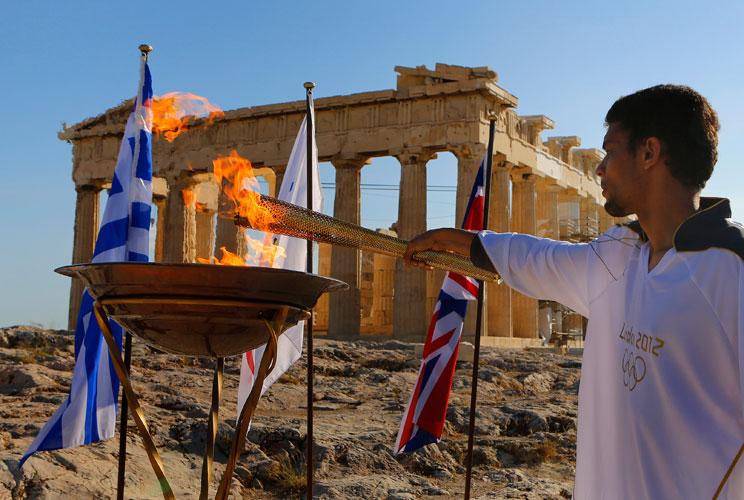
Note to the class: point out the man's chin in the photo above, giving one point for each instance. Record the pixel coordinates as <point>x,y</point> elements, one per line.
<point>615,210</point>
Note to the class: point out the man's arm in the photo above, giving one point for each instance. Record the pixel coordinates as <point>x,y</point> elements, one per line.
<point>442,240</point>
<point>536,267</point>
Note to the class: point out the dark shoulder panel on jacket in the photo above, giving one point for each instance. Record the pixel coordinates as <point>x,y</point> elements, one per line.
<point>710,227</point>
<point>700,234</point>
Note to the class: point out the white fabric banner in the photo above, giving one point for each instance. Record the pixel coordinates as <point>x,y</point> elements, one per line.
<point>293,190</point>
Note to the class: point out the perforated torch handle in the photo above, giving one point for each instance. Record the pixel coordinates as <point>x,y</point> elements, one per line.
<point>284,218</point>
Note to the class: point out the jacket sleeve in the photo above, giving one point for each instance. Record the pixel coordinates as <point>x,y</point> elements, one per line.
<point>541,268</point>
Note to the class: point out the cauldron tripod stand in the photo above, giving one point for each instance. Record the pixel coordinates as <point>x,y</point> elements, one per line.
<point>182,308</point>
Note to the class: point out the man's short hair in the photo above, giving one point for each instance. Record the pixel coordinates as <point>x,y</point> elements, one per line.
<point>681,119</point>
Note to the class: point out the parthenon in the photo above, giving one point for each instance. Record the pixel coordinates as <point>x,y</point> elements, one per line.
<point>546,187</point>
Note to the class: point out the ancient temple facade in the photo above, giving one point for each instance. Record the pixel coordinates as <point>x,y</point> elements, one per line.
<point>541,186</point>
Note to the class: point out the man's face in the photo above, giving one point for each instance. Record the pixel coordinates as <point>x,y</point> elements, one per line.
<point>620,173</point>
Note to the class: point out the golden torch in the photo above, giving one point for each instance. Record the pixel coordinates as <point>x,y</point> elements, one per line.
<point>280,217</point>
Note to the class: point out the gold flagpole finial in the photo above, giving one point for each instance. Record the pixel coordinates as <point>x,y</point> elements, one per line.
<point>145,49</point>
<point>309,85</point>
<point>492,117</point>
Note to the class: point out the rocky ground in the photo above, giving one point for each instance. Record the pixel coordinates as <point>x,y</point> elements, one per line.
<point>525,440</point>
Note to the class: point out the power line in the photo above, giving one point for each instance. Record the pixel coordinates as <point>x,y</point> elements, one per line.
<point>392,187</point>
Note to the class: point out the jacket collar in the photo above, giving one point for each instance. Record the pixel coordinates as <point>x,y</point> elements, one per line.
<point>710,217</point>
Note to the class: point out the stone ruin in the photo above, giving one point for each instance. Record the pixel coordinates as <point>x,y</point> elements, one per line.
<point>543,187</point>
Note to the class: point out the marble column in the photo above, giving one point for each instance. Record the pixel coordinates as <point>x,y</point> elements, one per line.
<point>499,314</point>
<point>279,172</point>
<point>179,244</point>
<point>409,310</point>
<point>468,162</point>
<point>159,202</point>
<point>524,308</point>
<point>569,214</point>
<point>383,294</point>
<point>547,210</point>
<point>206,205</point>
<point>344,314</point>
<point>605,220</point>
<point>205,233</point>
<point>159,195</point>
<point>84,241</point>
<point>320,311</point>
<point>591,216</point>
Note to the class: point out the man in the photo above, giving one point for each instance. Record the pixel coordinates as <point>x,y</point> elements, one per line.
<point>660,400</point>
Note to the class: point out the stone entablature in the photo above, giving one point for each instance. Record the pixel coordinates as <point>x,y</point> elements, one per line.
<point>448,116</point>
<point>430,111</point>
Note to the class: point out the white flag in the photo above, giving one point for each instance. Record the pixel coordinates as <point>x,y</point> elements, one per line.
<point>293,190</point>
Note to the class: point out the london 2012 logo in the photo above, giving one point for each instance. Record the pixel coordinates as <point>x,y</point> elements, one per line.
<point>638,345</point>
<point>634,369</point>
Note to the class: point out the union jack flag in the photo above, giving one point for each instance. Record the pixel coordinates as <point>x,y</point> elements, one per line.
<point>423,420</point>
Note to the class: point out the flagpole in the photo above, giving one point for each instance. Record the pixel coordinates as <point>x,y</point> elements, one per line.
<point>309,86</point>
<point>145,51</point>
<point>481,306</point>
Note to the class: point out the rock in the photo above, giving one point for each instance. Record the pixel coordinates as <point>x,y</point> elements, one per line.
<point>30,337</point>
<point>365,387</point>
<point>538,382</point>
<point>524,422</point>
<point>360,460</point>
<point>486,420</point>
<point>380,487</point>
<point>436,492</point>
<point>484,455</point>
<point>442,474</point>
<point>6,440</point>
<point>14,379</point>
<point>429,461</point>
<point>513,483</point>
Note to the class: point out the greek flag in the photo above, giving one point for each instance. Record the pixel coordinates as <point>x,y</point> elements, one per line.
<point>89,414</point>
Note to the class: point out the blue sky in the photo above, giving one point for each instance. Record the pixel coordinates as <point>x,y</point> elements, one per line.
<point>66,61</point>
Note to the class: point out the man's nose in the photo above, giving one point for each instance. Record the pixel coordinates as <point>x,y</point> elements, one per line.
<point>600,169</point>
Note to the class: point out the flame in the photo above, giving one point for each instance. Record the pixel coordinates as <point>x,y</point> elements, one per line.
<point>173,111</point>
<point>240,189</point>
<point>189,197</point>
<point>228,259</point>
<point>264,254</point>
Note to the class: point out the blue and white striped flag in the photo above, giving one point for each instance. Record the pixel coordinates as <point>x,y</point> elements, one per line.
<point>89,414</point>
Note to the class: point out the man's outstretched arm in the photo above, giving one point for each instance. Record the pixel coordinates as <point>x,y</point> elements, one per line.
<point>442,240</point>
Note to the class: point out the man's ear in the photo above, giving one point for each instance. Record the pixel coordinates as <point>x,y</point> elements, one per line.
<point>651,150</point>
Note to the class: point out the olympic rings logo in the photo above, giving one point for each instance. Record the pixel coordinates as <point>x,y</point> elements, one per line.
<point>634,370</point>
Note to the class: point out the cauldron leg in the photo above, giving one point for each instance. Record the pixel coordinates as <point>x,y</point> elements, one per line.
<point>268,361</point>
<point>137,414</point>
<point>212,428</point>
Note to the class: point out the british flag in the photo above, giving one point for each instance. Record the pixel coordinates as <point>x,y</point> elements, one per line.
<point>423,420</point>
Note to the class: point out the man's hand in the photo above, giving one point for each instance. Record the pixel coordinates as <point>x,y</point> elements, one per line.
<point>442,240</point>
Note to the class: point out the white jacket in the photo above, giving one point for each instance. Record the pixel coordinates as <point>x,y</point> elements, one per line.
<point>660,399</point>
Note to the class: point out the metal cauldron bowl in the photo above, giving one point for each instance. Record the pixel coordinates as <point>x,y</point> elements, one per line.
<point>201,309</point>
